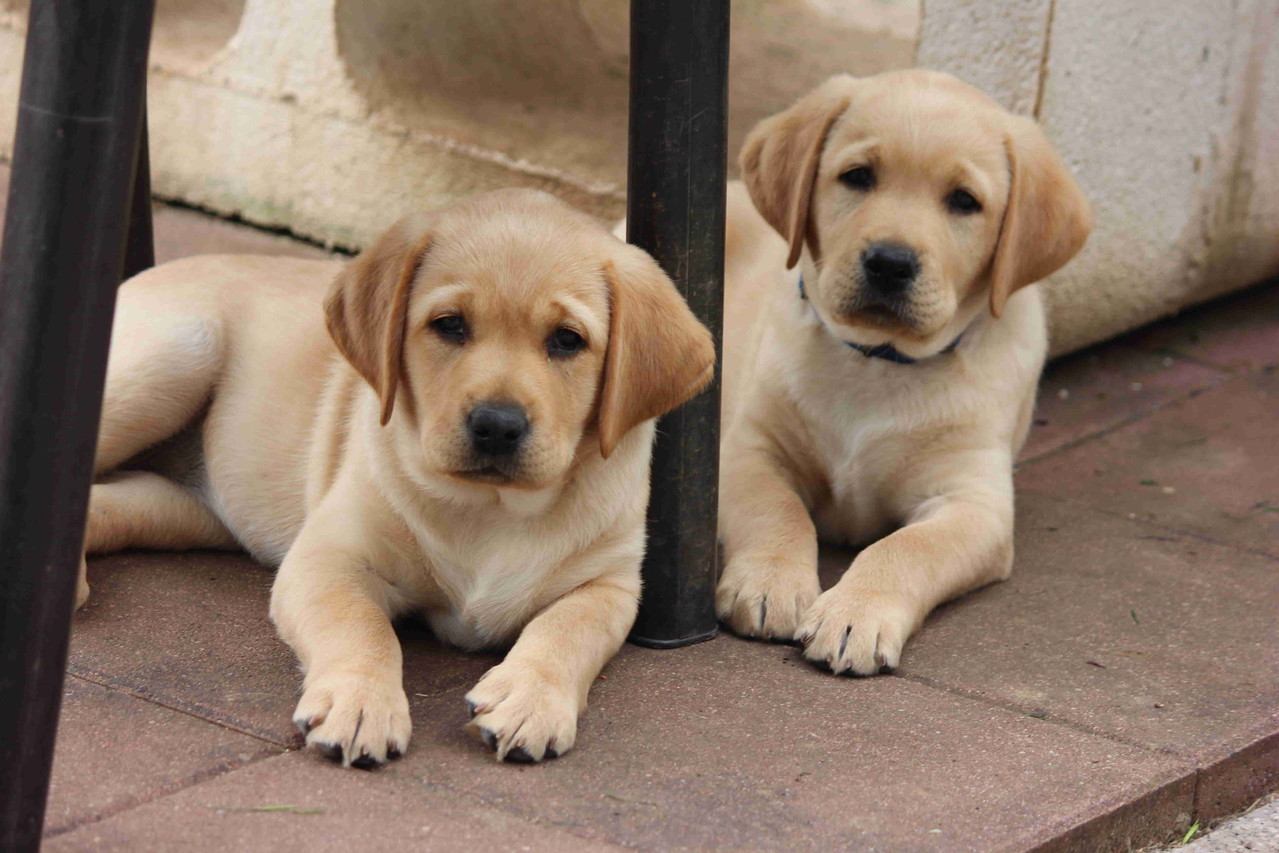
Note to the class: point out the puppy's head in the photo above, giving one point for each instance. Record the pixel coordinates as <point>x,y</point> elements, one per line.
<point>512,335</point>
<point>914,200</point>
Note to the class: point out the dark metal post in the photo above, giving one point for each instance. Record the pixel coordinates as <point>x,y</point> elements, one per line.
<point>73,165</point>
<point>139,251</point>
<point>675,211</point>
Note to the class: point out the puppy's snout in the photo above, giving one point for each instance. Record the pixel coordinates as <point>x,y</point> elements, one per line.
<point>497,429</point>
<point>890,268</point>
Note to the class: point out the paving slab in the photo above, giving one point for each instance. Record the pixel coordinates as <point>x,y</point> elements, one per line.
<point>726,745</point>
<point>1124,629</point>
<point>1085,394</point>
<point>1208,465</point>
<point>1239,332</point>
<point>294,803</point>
<point>115,751</point>
<point>190,631</point>
<point>735,745</point>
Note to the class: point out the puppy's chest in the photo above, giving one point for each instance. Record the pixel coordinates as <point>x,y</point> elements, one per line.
<point>485,586</point>
<point>860,428</point>
<point>857,454</point>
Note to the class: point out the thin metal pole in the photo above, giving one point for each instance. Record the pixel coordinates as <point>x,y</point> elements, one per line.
<point>675,211</point>
<point>75,152</point>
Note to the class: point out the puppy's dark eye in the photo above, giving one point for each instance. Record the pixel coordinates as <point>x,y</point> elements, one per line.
<point>450,327</point>
<point>565,342</point>
<point>861,178</point>
<point>962,203</point>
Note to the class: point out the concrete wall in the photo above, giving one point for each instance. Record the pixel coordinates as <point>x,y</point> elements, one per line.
<point>334,117</point>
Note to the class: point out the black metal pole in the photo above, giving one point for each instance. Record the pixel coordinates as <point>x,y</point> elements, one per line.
<point>139,250</point>
<point>675,211</point>
<point>73,165</point>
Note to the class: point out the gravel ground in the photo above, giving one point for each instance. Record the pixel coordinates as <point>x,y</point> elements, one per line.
<point>1255,832</point>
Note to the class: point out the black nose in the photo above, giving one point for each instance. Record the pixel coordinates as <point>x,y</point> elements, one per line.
<point>890,268</point>
<point>497,429</point>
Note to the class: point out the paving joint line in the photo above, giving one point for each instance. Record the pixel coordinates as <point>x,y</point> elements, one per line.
<point>197,778</point>
<point>1062,722</point>
<point>1189,534</point>
<point>169,703</point>
<point>201,777</point>
<point>1126,422</point>
<point>114,684</point>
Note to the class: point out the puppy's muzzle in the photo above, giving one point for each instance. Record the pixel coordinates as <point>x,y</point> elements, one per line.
<point>497,429</point>
<point>889,269</point>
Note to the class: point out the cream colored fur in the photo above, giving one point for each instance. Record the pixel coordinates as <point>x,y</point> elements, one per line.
<point>231,418</point>
<point>914,462</point>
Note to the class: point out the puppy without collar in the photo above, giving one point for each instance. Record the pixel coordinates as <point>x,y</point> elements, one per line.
<point>460,428</point>
<point>882,349</point>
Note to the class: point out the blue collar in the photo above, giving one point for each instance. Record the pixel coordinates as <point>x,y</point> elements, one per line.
<point>887,352</point>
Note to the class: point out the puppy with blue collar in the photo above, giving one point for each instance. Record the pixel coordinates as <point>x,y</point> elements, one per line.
<point>881,351</point>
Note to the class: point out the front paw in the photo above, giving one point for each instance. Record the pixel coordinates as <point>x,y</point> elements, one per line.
<point>763,597</point>
<point>858,631</point>
<point>356,720</point>
<point>521,715</point>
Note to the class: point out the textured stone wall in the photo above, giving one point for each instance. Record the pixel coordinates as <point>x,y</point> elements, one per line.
<point>334,117</point>
<point>1168,113</point>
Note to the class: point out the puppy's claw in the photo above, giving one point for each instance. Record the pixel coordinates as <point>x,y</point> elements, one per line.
<point>519,755</point>
<point>471,709</point>
<point>858,632</point>
<point>763,597</point>
<point>489,737</point>
<point>365,762</point>
<point>331,751</point>
<point>881,660</point>
<point>354,721</point>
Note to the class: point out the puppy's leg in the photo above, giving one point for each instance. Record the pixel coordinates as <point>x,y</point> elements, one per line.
<point>330,606</point>
<point>770,548</point>
<point>950,544</point>
<point>165,357</point>
<point>526,707</point>
<point>140,509</point>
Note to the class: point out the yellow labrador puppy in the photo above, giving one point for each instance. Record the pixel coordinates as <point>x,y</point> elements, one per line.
<point>469,439</point>
<point>877,395</point>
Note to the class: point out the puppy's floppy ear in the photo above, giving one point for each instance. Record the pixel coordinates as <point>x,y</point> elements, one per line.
<point>1047,218</point>
<point>780,158</point>
<point>367,305</point>
<point>659,356</point>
